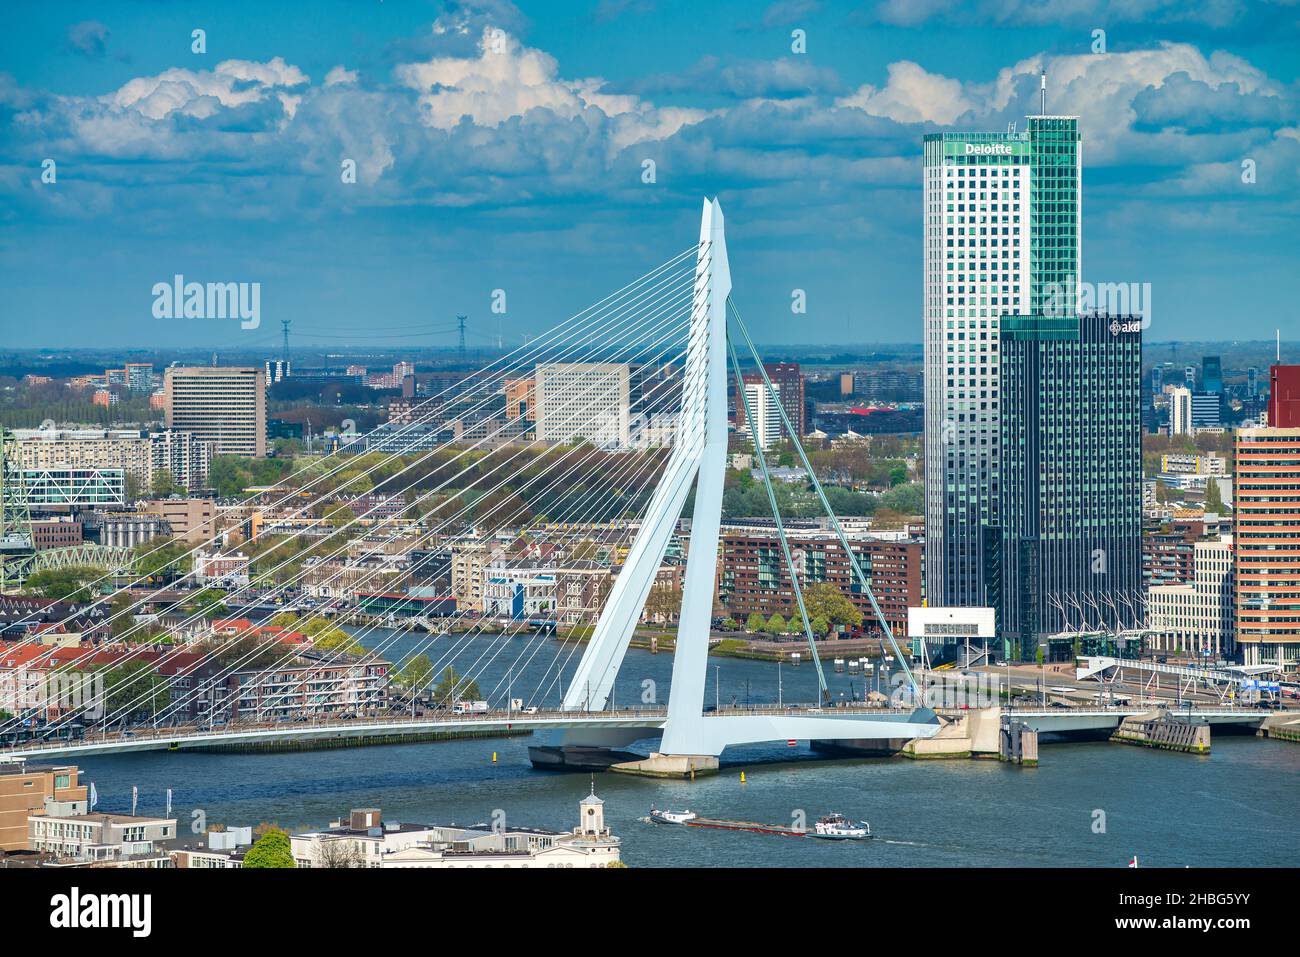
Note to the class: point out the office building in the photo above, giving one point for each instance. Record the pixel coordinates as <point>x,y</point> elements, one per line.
<point>1067,549</point>
<point>789,384</point>
<point>139,455</point>
<point>1001,238</point>
<point>583,401</point>
<point>1180,411</point>
<point>35,789</point>
<point>1206,407</point>
<point>520,399</point>
<point>193,519</point>
<point>224,406</point>
<point>1284,397</point>
<point>61,488</point>
<point>127,450</point>
<point>1212,375</point>
<point>1266,532</point>
<point>1197,618</point>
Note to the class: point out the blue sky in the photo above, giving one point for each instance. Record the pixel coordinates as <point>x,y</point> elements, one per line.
<point>518,166</point>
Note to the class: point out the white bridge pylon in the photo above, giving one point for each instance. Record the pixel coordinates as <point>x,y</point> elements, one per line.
<point>698,458</point>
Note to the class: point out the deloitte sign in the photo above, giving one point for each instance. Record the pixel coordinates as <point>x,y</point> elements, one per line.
<point>988,149</point>
<point>955,148</point>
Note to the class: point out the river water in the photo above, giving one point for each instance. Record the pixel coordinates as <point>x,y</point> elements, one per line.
<point>1087,804</point>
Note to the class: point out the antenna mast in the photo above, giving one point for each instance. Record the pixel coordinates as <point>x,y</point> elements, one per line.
<point>460,321</point>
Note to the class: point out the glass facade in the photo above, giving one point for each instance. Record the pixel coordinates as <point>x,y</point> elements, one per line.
<point>1069,539</point>
<point>1001,239</point>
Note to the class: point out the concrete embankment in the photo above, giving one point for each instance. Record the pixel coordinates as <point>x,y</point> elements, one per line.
<point>349,741</point>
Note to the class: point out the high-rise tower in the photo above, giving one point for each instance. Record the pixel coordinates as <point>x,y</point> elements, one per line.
<point>1002,237</point>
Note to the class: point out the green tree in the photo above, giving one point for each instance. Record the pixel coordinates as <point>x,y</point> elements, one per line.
<point>159,558</point>
<point>132,688</point>
<point>453,687</point>
<point>416,673</point>
<point>754,623</point>
<point>63,584</point>
<point>164,484</point>
<point>209,602</point>
<point>776,625</point>
<point>272,849</point>
<point>824,600</point>
<point>820,627</point>
<point>1213,497</point>
<point>327,636</point>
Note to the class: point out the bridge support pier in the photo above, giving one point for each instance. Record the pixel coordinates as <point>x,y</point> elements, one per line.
<point>586,749</point>
<point>658,765</point>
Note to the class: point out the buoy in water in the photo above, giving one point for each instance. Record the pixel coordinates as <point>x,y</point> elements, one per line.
<point>494,757</point>
<point>742,777</point>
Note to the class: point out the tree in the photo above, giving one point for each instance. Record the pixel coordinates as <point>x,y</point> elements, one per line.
<point>1213,497</point>
<point>158,558</point>
<point>327,636</point>
<point>453,684</point>
<point>209,602</point>
<point>820,627</point>
<point>755,623</point>
<point>824,600</point>
<point>272,849</point>
<point>775,625</point>
<point>63,584</point>
<point>132,688</point>
<point>417,672</point>
<point>164,484</point>
<point>340,853</point>
<point>664,603</point>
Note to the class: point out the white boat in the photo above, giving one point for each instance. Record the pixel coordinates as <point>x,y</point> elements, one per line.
<point>837,827</point>
<point>671,817</point>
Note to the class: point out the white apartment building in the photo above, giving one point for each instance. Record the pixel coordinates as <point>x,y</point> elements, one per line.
<point>1197,618</point>
<point>1180,411</point>
<point>519,589</point>
<point>1192,463</point>
<point>583,401</point>
<point>102,838</point>
<point>763,418</point>
<point>86,449</point>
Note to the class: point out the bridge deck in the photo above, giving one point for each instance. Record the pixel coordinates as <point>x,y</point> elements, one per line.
<point>728,727</point>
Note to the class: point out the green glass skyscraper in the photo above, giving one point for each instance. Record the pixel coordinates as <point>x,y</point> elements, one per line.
<point>1001,238</point>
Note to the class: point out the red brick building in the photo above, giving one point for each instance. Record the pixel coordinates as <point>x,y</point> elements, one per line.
<point>752,576</point>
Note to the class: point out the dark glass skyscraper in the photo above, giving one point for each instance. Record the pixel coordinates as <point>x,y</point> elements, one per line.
<point>1067,553</point>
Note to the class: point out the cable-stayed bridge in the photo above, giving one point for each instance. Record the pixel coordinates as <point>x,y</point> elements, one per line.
<point>534,480</point>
